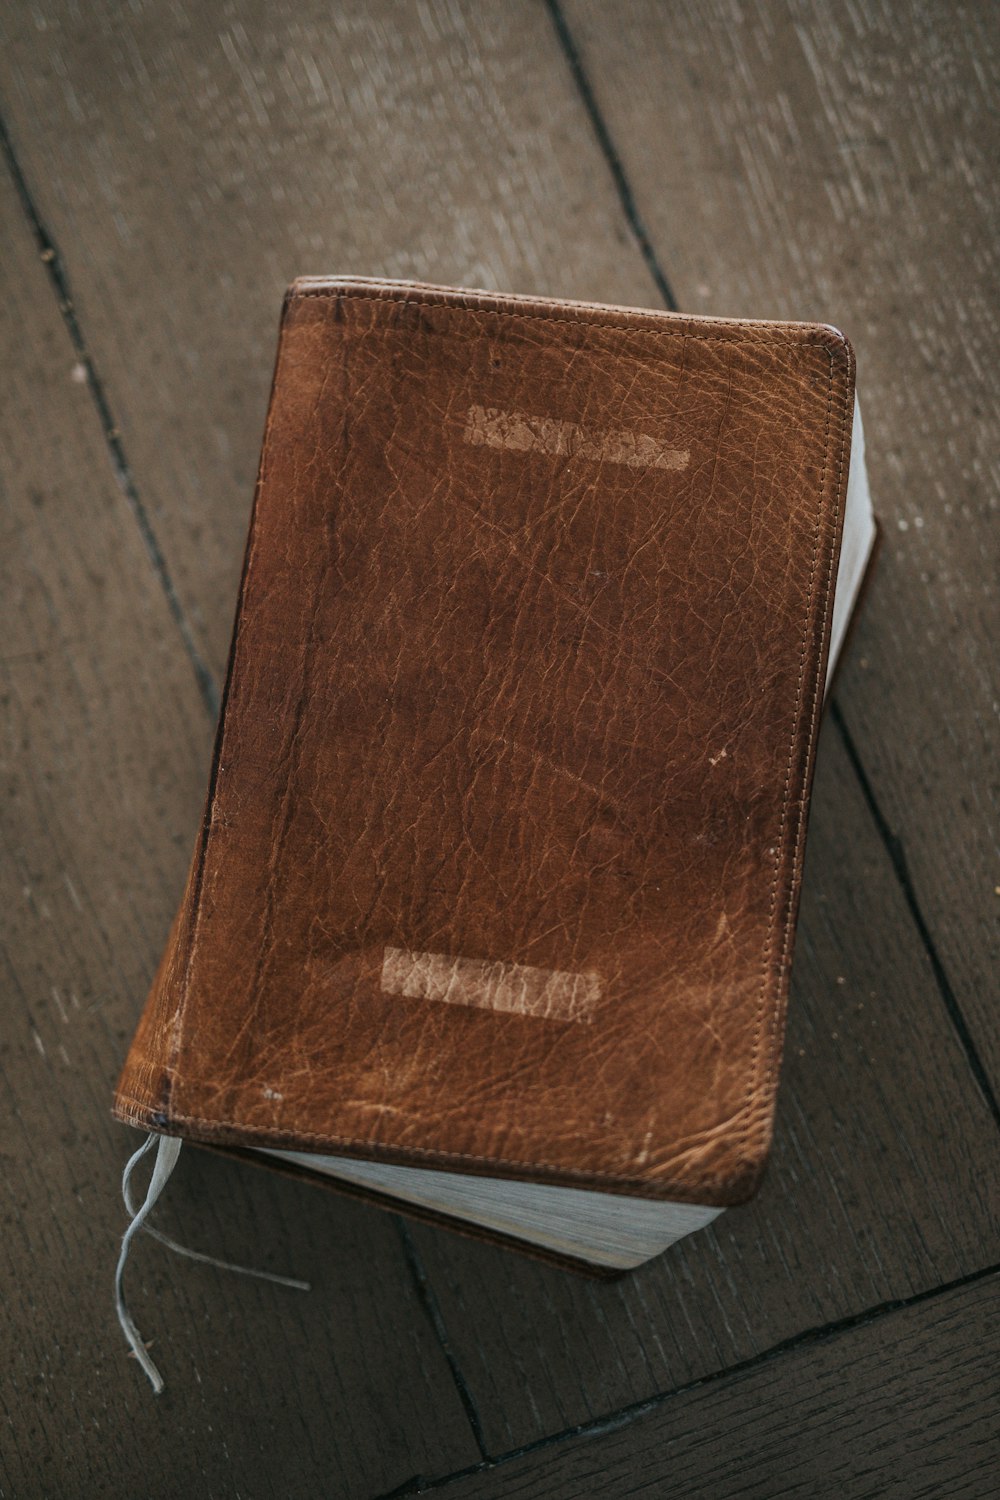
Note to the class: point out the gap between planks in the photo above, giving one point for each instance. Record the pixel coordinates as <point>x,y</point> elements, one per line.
<point>624,1416</point>
<point>56,267</point>
<point>893,845</point>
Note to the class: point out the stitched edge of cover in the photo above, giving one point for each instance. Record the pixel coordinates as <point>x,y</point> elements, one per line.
<point>757,1092</point>
<point>641,1187</point>
<point>524,305</point>
<point>764,1090</point>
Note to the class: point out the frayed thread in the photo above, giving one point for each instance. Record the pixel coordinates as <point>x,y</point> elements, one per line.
<point>167,1151</point>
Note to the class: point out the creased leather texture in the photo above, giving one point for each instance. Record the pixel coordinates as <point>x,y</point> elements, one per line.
<point>502,847</point>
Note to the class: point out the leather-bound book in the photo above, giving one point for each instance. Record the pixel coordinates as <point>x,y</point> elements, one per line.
<point>492,908</point>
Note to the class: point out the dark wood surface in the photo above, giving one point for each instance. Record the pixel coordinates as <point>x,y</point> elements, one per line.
<point>898,1408</point>
<point>168,170</point>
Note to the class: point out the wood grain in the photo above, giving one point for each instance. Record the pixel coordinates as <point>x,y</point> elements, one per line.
<point>902,1409</point>
<point>193,160</point>
<point>885,1180</point>
<point>796,159</point>
<point>105,745</point>
<point>189,160</point>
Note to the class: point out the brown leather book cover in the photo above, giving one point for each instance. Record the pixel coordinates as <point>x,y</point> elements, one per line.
<point>501,853</point>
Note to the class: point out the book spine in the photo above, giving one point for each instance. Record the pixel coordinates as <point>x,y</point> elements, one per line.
<point>145,1092</point>
<point>143,1096</point>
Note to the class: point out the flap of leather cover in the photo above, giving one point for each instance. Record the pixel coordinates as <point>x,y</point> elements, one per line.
<point>501,853</point>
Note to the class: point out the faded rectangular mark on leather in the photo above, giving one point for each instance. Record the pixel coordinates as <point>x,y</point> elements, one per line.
<point>549,994</point>
<point>490,427</point>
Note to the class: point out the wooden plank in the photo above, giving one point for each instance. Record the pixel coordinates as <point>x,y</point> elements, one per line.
<point>902,1407</point>
<point>105,746</point>
<point>808,160</point>
<point>193,161</point>
<point>885,1180</point>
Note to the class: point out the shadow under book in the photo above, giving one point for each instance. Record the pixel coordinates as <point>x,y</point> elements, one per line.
<point>492,909</point>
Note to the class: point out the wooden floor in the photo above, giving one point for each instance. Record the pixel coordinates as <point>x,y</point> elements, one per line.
<point>167,168</point>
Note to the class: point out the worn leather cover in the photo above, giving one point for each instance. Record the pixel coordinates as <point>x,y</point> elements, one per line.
<point>501,853</point>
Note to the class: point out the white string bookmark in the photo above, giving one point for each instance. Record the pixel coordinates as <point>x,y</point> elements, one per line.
<point>168,1149</point>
